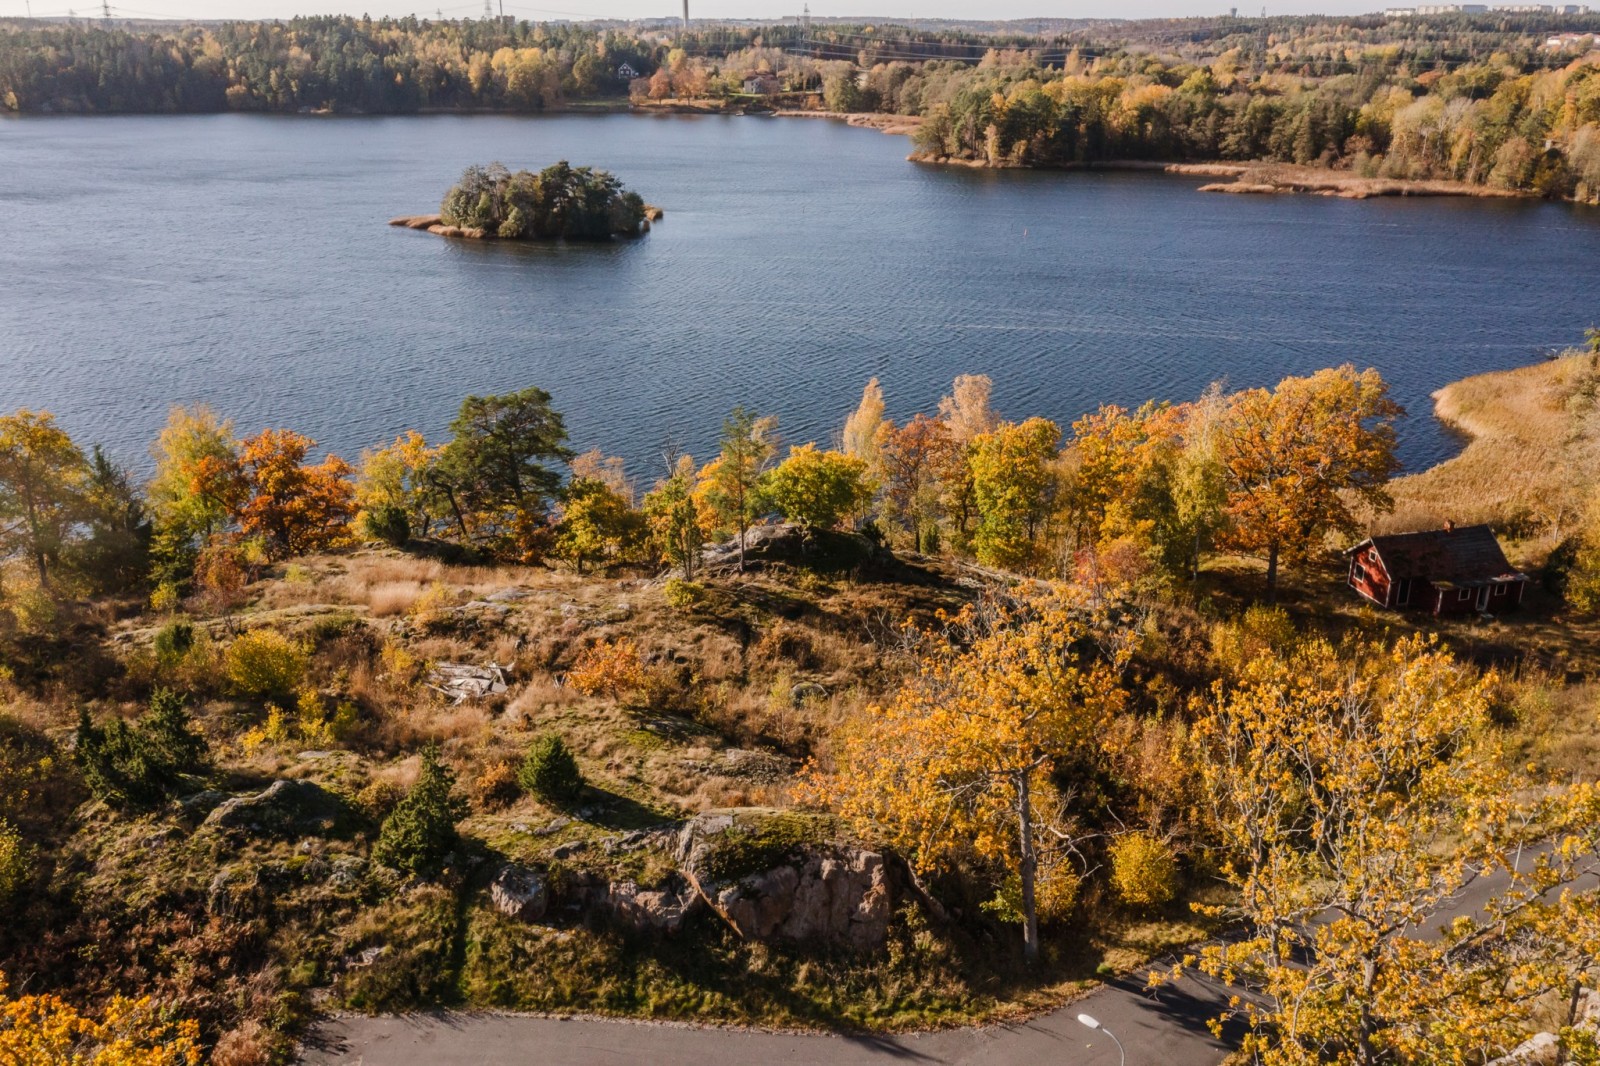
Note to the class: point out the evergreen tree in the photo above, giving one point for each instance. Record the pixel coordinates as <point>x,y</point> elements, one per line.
<point>421,830</point>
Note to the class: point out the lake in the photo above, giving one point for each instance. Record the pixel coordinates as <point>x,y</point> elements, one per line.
<point>244,261</point>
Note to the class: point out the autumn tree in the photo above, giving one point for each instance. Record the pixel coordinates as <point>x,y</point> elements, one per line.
<point>730,484</point>
<point>918,459</point>
<point>967,415</point>
<point>1014,483</point>
<point>44,481</point>
<point>393,481</point>
<point>672,513</point>
<point>196,486</point>
<point>967,759</point>
<point>493,476</point>
<point>295,507</point>
<point>1356,793</point>
<point>597,524</point>
<point>1295,459</point>
<point>862,428</point>
<point>818,489</point>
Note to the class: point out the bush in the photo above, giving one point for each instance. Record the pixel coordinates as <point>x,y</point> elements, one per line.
<point>421,830</point>
<point>496,787</point>
<point>173,642</point>
<point>610,668</point>
<point>1143,870</point>
<point>264,662</point>
<point>681,595</point>
<point>142,764</point>
<point>16,861</point>
<point>387,523</point>
<point>550,772</point>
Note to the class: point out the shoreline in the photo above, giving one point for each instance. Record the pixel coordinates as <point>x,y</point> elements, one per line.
<point>435,224</point>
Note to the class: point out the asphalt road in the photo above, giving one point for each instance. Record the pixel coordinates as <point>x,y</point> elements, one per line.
<point>1166,1027</point>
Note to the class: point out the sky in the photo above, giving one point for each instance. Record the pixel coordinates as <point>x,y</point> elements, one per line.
<point>743,9</point>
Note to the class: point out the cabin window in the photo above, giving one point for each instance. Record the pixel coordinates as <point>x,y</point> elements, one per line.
<point>1500,590</point>
<point>1464,595</point>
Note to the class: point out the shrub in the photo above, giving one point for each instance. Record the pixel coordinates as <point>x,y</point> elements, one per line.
<point>421,830</point>
<point>681,595</point>
<point>173,642</point>
<point>16,861</point>
<point>264,662</point>
<point>610,668</point>
<point>387,523</point>
<point>550,772</point>
<point>430,609</point>
<point>142,764</point>
<point>496,787</point>
<point>1143,870</point>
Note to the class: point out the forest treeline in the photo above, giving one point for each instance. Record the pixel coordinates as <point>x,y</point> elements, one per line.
<point>1479,100</point>
<point>1122,498</point>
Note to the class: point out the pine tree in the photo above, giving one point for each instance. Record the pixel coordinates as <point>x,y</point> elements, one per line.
<point>421,830</point>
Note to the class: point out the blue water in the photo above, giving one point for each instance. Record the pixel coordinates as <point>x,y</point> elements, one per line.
<point>243,261</point>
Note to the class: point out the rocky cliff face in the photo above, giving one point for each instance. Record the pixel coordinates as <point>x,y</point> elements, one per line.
<point>768,875</point>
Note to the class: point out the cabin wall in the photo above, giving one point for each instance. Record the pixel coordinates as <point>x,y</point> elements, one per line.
<point>1369,579</point>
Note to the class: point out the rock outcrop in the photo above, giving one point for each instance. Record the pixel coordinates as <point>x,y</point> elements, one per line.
<point>520,892</point>
<point>284,808</point>
<point>770,876</point>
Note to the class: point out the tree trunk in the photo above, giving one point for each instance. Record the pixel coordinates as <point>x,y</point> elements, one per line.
<point>1027,870</point>
<point>742,528</point>
<point>1272,574</point>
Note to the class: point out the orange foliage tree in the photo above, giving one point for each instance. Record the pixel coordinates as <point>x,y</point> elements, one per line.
<point>962,761</point>
<point>295,507</point>
<point>1296,458</point>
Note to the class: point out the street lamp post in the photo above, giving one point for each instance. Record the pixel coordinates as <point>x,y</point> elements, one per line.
<point>1088,1021</point>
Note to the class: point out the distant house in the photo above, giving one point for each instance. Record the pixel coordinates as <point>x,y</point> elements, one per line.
<point>1441,571</point>
<point>761,84</point>
<point>626,72</point>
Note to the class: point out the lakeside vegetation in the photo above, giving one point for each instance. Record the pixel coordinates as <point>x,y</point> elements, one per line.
<point>1482,100</point>
<point>1034,671</point>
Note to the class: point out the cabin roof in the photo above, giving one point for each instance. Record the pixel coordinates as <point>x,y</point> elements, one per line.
<point>1449,558</point>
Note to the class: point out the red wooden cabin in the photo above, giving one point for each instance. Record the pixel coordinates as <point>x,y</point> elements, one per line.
<point>1441,571</point>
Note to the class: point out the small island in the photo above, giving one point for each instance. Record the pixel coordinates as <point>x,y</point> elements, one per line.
<point>561,202</point>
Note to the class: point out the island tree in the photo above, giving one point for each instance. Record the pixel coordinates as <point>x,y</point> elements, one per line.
<point>1296,458</point>
<point>573,203</point>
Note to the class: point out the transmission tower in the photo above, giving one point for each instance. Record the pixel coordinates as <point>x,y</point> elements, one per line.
<point>105,10</point>
<point>805,19</point>
<point>488,10</point>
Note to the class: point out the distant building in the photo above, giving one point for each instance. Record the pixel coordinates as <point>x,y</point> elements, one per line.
<point>1399,12</point>
<point>1562,41</point>
<point>1441,571</point>
<point>761,84</point>
<point>626,72</point>
<point>1452,9</point>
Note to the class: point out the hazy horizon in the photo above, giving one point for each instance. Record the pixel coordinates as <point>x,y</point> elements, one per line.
<point>766,10</point>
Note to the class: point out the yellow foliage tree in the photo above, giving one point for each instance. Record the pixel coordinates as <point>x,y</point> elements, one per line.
<point>1014,483</point>
<point>960,761</point>
<point>1356,793</point>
